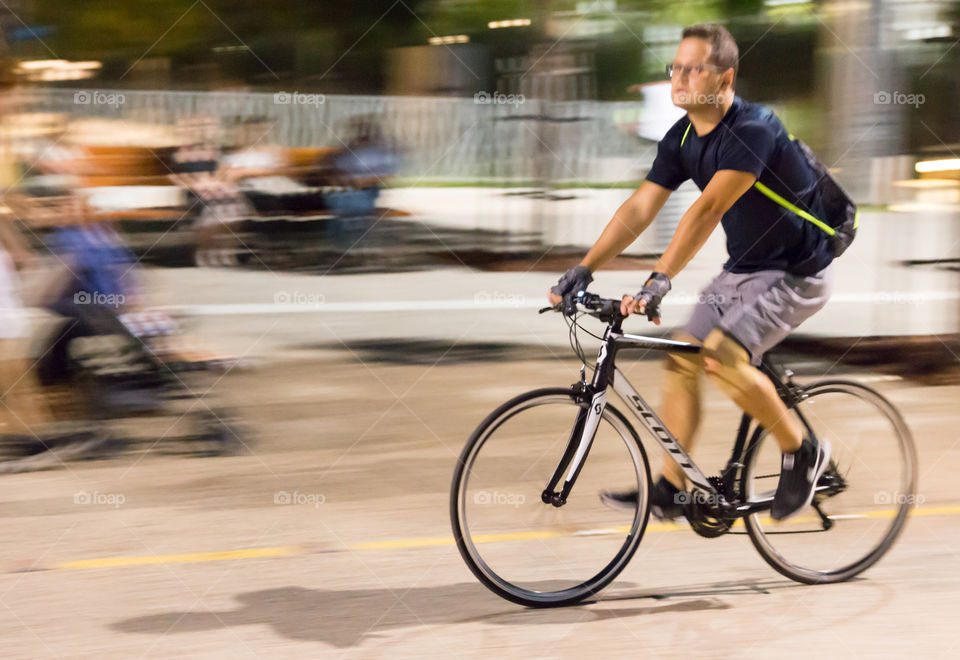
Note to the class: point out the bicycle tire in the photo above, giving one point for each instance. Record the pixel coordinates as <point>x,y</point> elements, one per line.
<point>908,452</point>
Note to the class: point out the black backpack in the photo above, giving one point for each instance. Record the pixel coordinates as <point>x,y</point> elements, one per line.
<point>840,213</point>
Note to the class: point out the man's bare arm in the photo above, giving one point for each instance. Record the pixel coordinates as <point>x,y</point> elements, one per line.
<point>630,220</point>
<point>694,229</point>
<point>633,216</point>
<point>702,218</point>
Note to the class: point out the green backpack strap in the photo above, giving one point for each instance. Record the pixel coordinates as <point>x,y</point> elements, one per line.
<point>830,231</point>
<point>844,240</point>
<point>796,209</point>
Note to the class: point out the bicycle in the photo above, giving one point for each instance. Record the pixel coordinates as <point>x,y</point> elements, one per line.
<point>528,518</point>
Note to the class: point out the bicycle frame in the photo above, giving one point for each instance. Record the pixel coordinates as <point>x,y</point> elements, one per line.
<point>605,376</point>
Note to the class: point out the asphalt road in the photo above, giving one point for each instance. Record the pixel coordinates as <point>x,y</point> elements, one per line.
<point>330,538</point>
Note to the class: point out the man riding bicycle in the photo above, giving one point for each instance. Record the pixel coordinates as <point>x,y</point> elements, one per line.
<point>778,273</point>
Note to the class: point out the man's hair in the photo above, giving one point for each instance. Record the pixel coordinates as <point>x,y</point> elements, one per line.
<point>723,49</point>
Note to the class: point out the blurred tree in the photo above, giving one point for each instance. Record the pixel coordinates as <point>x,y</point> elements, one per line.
<point>357,33</point>
<point>342,46</point>
<point>100,29</point>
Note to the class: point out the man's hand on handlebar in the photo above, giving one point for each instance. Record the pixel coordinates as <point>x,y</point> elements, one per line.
<point>647,300</point>
<point>565,294</point>
<point>630,305</point>
<point>574,280</point>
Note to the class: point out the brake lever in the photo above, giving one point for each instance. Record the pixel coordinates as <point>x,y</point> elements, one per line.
<point>568,306</point>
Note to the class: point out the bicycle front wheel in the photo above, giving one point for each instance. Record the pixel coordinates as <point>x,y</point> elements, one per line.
<point>528,551</point>
<point>872,476</point>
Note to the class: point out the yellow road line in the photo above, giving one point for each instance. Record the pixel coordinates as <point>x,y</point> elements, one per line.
<point>399,544</point>
<point>187,558</point>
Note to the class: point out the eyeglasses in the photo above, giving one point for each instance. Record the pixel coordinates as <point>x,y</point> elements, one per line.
<point>693,70</point>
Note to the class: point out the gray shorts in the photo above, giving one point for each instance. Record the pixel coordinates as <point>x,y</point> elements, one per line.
<point>759,309</point>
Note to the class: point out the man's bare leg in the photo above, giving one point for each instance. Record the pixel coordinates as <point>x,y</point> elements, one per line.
<point>727,363</point>
<point>680,406</point>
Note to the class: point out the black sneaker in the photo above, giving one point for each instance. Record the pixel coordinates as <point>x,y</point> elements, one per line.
<point>799,473</point>
<point>666,501</point>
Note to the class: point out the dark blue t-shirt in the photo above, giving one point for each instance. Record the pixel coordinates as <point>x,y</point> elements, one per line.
<point>761,234</point>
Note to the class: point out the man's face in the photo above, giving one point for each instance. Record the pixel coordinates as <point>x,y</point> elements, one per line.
<point>690,89</point>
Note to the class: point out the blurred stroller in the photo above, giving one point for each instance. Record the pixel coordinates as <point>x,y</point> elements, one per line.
<point>111,359</point>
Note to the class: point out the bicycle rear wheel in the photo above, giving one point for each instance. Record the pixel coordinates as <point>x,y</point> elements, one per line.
<point>528,551</point>
<point>873,472</point>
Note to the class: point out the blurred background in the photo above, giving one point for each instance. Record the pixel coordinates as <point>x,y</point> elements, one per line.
<point>413,135</point>
<point>335,222</point>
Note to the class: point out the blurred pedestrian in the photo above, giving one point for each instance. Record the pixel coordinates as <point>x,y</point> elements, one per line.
<point>196,165</point>
<point>358,172</point>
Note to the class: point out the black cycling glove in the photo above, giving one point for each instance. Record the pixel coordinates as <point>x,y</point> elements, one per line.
<point>653,291</point>
<point>573,281</point>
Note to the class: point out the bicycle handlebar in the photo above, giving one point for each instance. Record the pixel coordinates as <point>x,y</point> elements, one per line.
<point>605,309</point>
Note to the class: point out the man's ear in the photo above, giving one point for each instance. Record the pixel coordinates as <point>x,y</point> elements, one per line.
<point>726,80</point>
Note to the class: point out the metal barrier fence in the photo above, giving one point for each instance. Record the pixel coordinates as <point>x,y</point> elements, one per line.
<point>490,137</point>
<point>489,142</point>
<point>495,141</point>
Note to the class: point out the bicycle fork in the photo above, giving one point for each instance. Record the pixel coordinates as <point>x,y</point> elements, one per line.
<point>584,429</point>
<point>581,439</point>
<point>588,419</point>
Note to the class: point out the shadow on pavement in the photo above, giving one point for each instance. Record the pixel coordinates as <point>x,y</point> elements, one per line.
<point>345,618</point>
